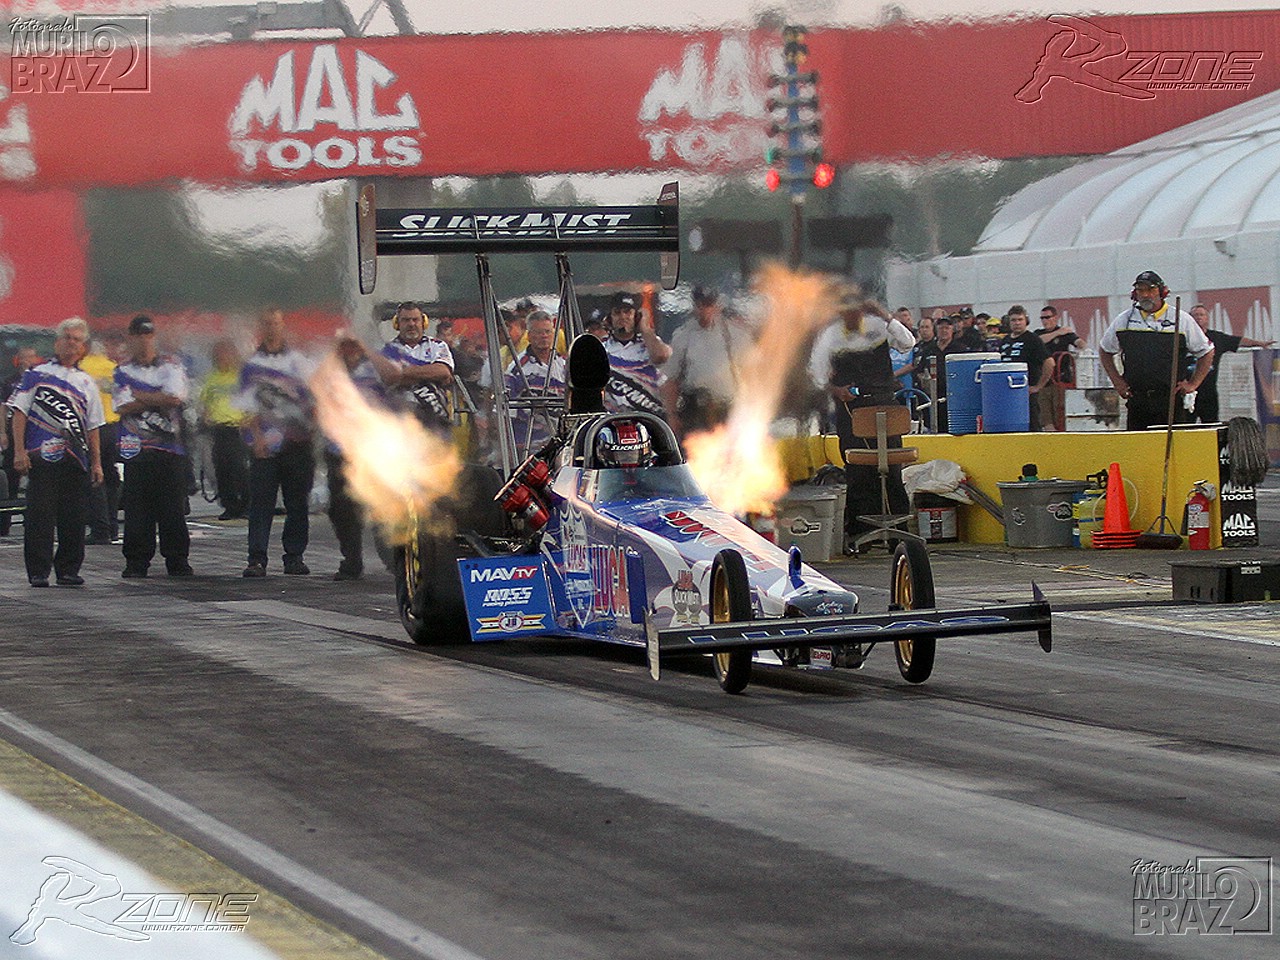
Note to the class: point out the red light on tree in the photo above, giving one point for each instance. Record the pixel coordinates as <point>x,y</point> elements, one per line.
<point>824,174</point>
<point>772,179</point>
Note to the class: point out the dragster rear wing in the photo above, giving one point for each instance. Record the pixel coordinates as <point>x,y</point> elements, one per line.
<point>430,230</point>
<point>851,628</point>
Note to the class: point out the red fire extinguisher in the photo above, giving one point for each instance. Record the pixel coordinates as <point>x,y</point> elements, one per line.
<point>1198,516</point>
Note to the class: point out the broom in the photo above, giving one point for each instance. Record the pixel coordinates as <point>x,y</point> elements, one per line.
<point>1162,539</point>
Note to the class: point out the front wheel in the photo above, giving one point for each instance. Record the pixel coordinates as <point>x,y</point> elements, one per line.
<point>731,602</point>
<point>911,588</point>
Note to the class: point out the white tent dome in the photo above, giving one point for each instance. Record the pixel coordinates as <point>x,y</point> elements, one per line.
<point>1218,176</point>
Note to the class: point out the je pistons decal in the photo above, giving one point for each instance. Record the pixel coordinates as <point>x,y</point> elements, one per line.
<point>510,622</point>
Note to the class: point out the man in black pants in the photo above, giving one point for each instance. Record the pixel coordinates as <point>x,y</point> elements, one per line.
<point>150,391</point>
<point>57,411</point>
<point>280,423</point>
<point>1145,382</point>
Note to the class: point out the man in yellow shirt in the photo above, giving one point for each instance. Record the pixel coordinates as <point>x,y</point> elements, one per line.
<point>222,419</point>
<point>104,500</point>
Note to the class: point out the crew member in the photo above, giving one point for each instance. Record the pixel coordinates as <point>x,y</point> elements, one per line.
<point>57,411</point>
<point>149,394</point>
<point>279,427</point>
<point>23,360</point>
<point>635,354</point>
<point>851,363</point>
<point>539,371</point>
<point>1145,382</point>
<point>418,369</point>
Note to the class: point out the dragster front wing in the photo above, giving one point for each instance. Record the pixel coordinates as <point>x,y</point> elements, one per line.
<point>851,628</point>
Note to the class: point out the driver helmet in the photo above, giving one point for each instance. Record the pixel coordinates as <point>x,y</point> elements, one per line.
<point>624,443</point>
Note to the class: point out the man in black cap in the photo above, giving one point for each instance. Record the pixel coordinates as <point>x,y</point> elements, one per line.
<point>635,354</point>
<point>150,391</point>
<point>1145,383</point>
<point>702,374</point>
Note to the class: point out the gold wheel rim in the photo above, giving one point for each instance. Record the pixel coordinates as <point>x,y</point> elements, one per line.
<point>720,614</point>
<point>904,595</point>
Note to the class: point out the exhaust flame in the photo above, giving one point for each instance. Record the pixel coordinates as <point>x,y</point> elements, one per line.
<point>398,470</point>
<point>737,464</point>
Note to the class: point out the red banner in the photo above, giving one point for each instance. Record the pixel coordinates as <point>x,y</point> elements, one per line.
<point>42,257</point>
<point>609,101</point>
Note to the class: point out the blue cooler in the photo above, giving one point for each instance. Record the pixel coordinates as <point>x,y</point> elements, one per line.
<point>1006,404</point>
<point>964,396</point>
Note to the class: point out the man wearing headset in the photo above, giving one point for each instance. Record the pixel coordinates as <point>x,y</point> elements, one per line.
<point>1145,383</point>
<point>419,368</point>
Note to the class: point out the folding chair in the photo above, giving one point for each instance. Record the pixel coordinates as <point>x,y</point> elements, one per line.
<point>882,424</point>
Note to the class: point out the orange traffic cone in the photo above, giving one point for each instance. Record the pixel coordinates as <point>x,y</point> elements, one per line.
<point>1116,517</point>
<point>1115,533</point>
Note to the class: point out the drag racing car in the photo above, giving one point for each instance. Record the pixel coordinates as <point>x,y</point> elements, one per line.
<point>601,532</point>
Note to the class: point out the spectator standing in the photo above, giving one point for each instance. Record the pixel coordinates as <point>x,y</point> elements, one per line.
<point>150,392</point>
<point>222,419</point>
<point>903,360</point>
<point>1062,344</point>
<point>932,357</point>
<point>1206,407</point>
<point>851,364</point>
<point>57,410</point>
<point>23,360</point>
<point>636,353</point>
<point>538,371</point>
<point>968,331</point>
<point>702,373</point>
<point>1144,385</point>
<point>995,334</point>
<point>418,369</point>
<point>279,428</point>
<point>104,500</point>
<point>1023,346</point>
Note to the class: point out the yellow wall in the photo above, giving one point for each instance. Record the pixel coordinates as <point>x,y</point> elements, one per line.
<point>990,458</point>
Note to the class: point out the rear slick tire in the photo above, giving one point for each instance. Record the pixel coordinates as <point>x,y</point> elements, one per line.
<point>911,588</point>
<point>731,603</point>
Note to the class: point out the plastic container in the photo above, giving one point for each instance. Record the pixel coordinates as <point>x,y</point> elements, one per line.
<point>806,516</point>
<point>1006,406</point>
<point>964,395</point>
<point>1088,509</point>
<point>936,518</point>
<point>1040,514</point>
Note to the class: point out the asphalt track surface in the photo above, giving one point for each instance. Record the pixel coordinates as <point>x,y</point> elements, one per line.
<point>548,799</point>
